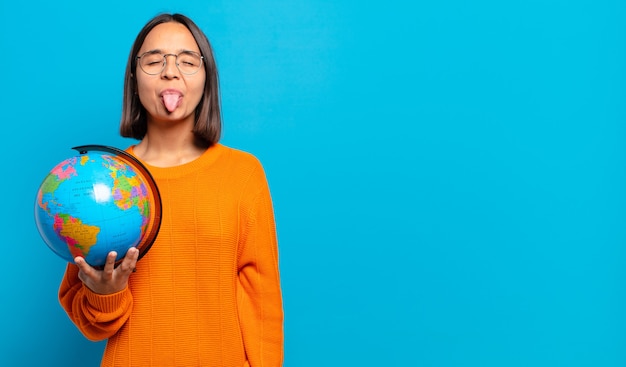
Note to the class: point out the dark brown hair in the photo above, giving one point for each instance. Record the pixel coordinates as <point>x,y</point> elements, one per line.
<point>208,124</point>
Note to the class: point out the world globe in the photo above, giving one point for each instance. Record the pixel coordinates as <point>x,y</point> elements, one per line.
<point>98,201</point>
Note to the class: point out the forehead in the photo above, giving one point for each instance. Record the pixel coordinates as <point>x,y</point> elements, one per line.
<point>169,37</point>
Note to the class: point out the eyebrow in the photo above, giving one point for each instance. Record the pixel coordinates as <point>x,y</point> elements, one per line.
<point>159,51</point>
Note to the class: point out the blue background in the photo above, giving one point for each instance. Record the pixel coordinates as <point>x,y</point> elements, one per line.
<point>448,177</point>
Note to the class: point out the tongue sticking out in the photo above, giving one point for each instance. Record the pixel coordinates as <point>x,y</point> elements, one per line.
<point>171,101</point>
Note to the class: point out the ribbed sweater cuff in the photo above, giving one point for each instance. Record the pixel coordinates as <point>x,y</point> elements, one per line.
<point>107,303</point>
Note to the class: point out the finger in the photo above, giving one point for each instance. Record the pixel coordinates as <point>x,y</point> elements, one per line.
<point>83,267</point>
<point>81,275</point>
<point>109,266</point>
<point>133,253</point>
<point>84,270</point>
<point>130,260</point>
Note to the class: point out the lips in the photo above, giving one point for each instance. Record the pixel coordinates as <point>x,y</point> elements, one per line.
<point>172,98</point>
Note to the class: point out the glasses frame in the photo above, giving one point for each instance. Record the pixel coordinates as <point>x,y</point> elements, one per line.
<point>138,58</point>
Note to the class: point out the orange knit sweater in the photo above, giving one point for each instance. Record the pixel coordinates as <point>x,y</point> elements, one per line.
<point>207,293</point>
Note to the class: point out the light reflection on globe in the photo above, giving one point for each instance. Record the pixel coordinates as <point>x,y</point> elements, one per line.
<point>98,201</point>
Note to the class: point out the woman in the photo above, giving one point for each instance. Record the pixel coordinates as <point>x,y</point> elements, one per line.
<point>208,292</point>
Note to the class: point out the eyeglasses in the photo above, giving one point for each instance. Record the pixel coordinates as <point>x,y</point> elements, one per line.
<point>153,62</point>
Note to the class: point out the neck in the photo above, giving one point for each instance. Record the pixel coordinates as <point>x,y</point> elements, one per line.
<point>167,144</point>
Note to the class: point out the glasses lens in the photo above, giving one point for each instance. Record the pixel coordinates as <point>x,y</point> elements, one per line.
<point>151,63</point>
<point>189,62</point>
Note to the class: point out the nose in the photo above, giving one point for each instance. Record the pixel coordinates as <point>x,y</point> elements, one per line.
<point>170,71</point>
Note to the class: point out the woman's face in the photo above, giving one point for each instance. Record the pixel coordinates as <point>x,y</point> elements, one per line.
<point>170,95</point>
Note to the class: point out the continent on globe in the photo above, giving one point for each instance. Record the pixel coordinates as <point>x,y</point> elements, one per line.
<point>79,237</point>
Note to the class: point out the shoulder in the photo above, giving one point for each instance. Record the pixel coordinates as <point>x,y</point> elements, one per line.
<point>239,157</point>
<point>244,173</point>
<point>242,166</point>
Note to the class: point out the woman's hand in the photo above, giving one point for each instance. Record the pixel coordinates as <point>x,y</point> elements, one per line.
<point>111,279</point>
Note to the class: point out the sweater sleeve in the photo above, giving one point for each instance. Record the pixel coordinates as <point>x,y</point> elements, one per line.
<point>97,316</point>
<point>259,296</point>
